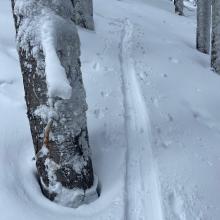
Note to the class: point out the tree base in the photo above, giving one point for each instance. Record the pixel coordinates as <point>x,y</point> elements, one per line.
<point>179,13</point>
<point>72,198</point>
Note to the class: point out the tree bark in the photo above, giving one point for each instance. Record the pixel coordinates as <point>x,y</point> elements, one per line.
<point>83,13</point>
<point>203,26</point>
<point>215,53</point>
<point>178,7</point>
<point>57,122</point>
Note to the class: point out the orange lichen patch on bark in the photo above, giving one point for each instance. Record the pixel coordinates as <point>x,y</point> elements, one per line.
<point>47,133</point>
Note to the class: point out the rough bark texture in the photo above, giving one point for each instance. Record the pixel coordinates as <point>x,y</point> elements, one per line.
<point>178,7</point>
<point>215,54</point>
<point>58,126</point>
<point>83,13</point>
<point>203,25</point>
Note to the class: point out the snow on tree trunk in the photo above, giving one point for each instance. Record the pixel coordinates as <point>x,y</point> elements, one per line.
<point>203,26</point>
<point>178,7</point>
<point>83,13</point>
<point>215,54</point>
<point>48,46</point>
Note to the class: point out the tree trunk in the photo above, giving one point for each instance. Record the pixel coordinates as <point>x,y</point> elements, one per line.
<point>178,7</point>
<point>203,26</point>
<point>215,54</point>
<point>83,13</point>
<point>48,47</point>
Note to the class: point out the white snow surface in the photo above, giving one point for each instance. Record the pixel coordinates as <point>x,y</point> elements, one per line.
<point>153,118</point>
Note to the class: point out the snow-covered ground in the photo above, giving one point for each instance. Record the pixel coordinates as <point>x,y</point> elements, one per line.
<point>154,121</point>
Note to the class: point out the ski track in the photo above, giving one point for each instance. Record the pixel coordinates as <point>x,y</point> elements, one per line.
<point>142,192</point>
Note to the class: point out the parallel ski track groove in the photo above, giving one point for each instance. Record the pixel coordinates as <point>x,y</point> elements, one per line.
<point>141,183</point>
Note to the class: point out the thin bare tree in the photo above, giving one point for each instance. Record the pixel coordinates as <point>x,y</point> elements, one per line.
<point>215,52</point>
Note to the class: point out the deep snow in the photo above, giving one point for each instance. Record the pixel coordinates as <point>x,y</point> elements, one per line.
<point>153,119</point>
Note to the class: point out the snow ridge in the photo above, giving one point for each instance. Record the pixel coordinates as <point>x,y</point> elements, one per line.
<point>142,194</point>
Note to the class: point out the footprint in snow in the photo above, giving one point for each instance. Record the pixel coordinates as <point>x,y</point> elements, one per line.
<point>206,119</point>
<point>155,102</point>
<point>6,82</point>
<point>170,117</point>
<point>173,60</point>
<point>104,94</point>
<point>165,75</point>
<point>96,66</point>
<point>177,206</point>
<point>108,69</point>
<point>98,113</point>
<point>142,76</point>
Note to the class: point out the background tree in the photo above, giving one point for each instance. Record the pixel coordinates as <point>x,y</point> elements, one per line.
<point>178,7</point>
<point>83,13</point>
<point>215,53</point>
<point>203,25</point>
<point>48,47</point>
